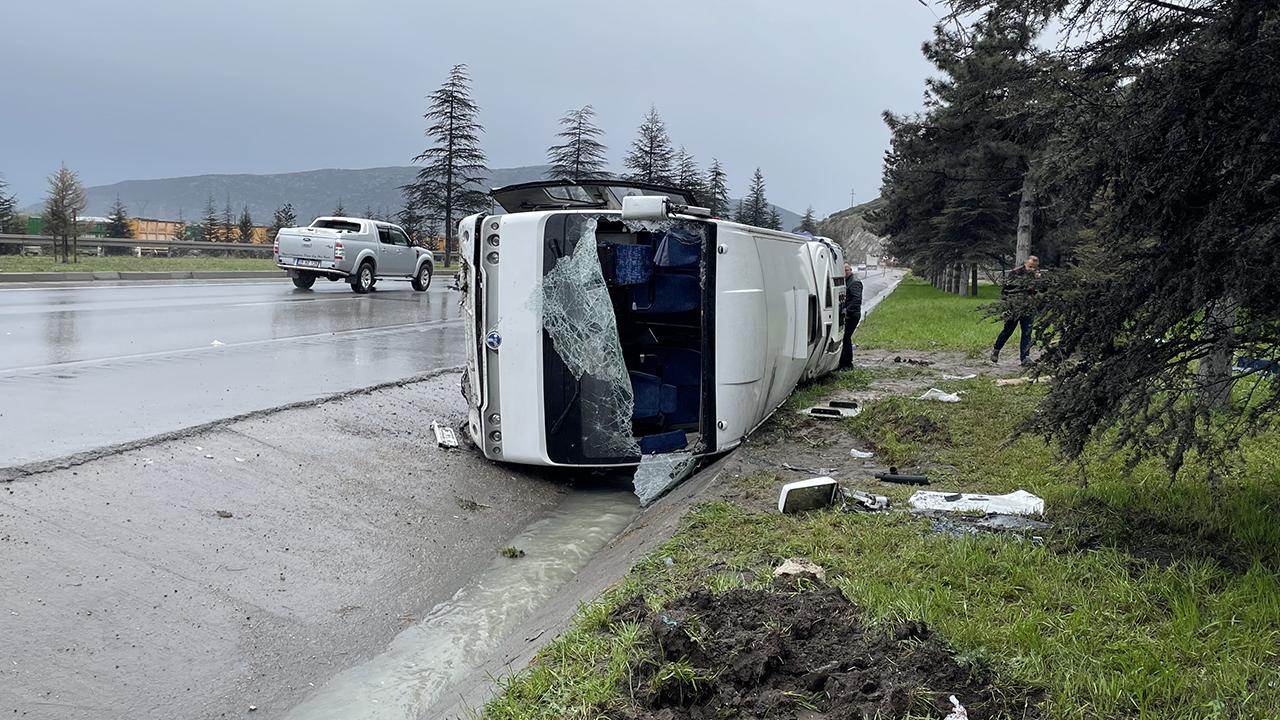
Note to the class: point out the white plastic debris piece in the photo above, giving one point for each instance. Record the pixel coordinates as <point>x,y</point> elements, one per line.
<point>800,567</point>
<point>198,448</point>
<point>147,461</point>
<point>216,343</point>
<point>804,495</point>
<point>239,459</point>
<point>1018,502</point>
<point>940,396</point>
<point>445,436</point>
<point>577,313</point>
<point>861,454</point>
<point>207,456</point>
<point>1002,382</point>
<point>659,473</point>
<point>957,711</point>
<point>865,500</point>
<point>970,376</point>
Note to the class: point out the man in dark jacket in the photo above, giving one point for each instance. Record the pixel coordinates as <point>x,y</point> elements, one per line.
<point>1020,284</point>
<point>852,310</point>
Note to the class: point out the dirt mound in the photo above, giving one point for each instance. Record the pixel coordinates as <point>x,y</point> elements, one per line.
<point>758,654</point>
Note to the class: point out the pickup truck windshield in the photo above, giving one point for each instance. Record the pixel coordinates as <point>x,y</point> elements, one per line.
<point>337,225</point>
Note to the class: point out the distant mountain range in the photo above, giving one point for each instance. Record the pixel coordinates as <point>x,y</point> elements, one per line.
<point>313,193</point>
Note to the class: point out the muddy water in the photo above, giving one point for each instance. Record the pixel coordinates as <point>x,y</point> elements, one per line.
<point>457,635</point>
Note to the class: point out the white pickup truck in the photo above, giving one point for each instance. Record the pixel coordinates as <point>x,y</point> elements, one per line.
<point>357,250</point>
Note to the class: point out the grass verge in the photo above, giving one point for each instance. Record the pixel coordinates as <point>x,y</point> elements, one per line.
<point>917,316</point>
<point>1145,599</point>
<point>15,263</point>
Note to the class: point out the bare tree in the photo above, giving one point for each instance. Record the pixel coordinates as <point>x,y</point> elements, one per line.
<point>62,208</point>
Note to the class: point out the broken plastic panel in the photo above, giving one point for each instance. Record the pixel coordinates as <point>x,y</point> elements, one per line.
<point>659,473</point>
<point>577,314</point>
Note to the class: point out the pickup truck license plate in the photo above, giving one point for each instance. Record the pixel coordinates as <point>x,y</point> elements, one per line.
<point>308,263</point>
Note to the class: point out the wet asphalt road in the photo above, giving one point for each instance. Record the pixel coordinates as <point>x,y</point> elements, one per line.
<point>87,367</point>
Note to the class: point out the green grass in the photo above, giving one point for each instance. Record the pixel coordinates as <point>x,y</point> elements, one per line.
<point>917,316</point>
<point>15,263</point>
<point>1104,633</point>
<point>1148,599</point>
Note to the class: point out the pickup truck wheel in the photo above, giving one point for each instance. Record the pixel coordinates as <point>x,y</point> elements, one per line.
<point>304,281</point>
<point>422,280</point>
<point>362,281</point>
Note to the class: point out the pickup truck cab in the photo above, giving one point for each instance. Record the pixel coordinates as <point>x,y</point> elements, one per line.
<point>357,250</point>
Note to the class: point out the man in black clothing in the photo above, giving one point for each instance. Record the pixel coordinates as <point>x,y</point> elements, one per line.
<point>1019,283</point>
<point>852,309</point>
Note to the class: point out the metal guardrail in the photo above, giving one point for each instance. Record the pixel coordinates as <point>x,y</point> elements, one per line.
<point>53,244</point>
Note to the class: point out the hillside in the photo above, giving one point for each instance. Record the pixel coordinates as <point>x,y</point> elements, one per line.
<point>313,193</point>
<point>851,228</point>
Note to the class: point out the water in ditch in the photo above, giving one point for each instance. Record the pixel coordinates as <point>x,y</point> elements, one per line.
<point>458,634</point>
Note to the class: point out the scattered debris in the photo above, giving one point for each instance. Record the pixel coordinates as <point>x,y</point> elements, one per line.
<point>147,461</point>
<point>253,708</point>
<point>208,456</point>
<point>940,396</point>
<point>668,561</point>
<point>1019,502</point>
<point>1000,522</point>
<point>862,454</point>
<point>893,476</point>
<point>445,436</point>
<point>912,361</point>
<point>1002,382</point>
<point>834,409</point>
<point>856,500</point>
<point>659,473</point>
<point>223,514</point>
<point>805,495</point>
<point>239,459</point>
<point>808,471</point>
<point>957,710</point>
<point>198,448</point>
<point>801,567</point>
<point>970,376</point>
<point>511,551</point>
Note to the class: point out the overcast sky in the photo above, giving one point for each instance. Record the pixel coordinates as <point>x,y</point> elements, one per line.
<point>133,89</point>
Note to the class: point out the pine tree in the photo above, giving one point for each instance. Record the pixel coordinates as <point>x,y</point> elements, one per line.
<point>754,209</point>
<point>119,225</point>
<point>410,217</point>
<point>582,154</point>
<point>338,210</point>
<point>717,199</point>
<point>774,221</point>
<point>651,156</point>
<point>62,208</point>
<point>454,165</point>
<point>8,210</point>
<point>244,226</point>
<point>228,230</point>
<point>808,223</point>
<point>284,217</point>
<point>689,177</point>
<point>210,228</point>
<point>179,231</point>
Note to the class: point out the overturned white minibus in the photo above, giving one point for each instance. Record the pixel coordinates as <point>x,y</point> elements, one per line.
<point>610,320</point>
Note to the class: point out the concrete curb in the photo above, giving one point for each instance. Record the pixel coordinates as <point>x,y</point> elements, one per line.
<point>35,277</point>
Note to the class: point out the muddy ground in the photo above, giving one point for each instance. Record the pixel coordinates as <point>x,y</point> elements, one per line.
<point>802,651</point>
